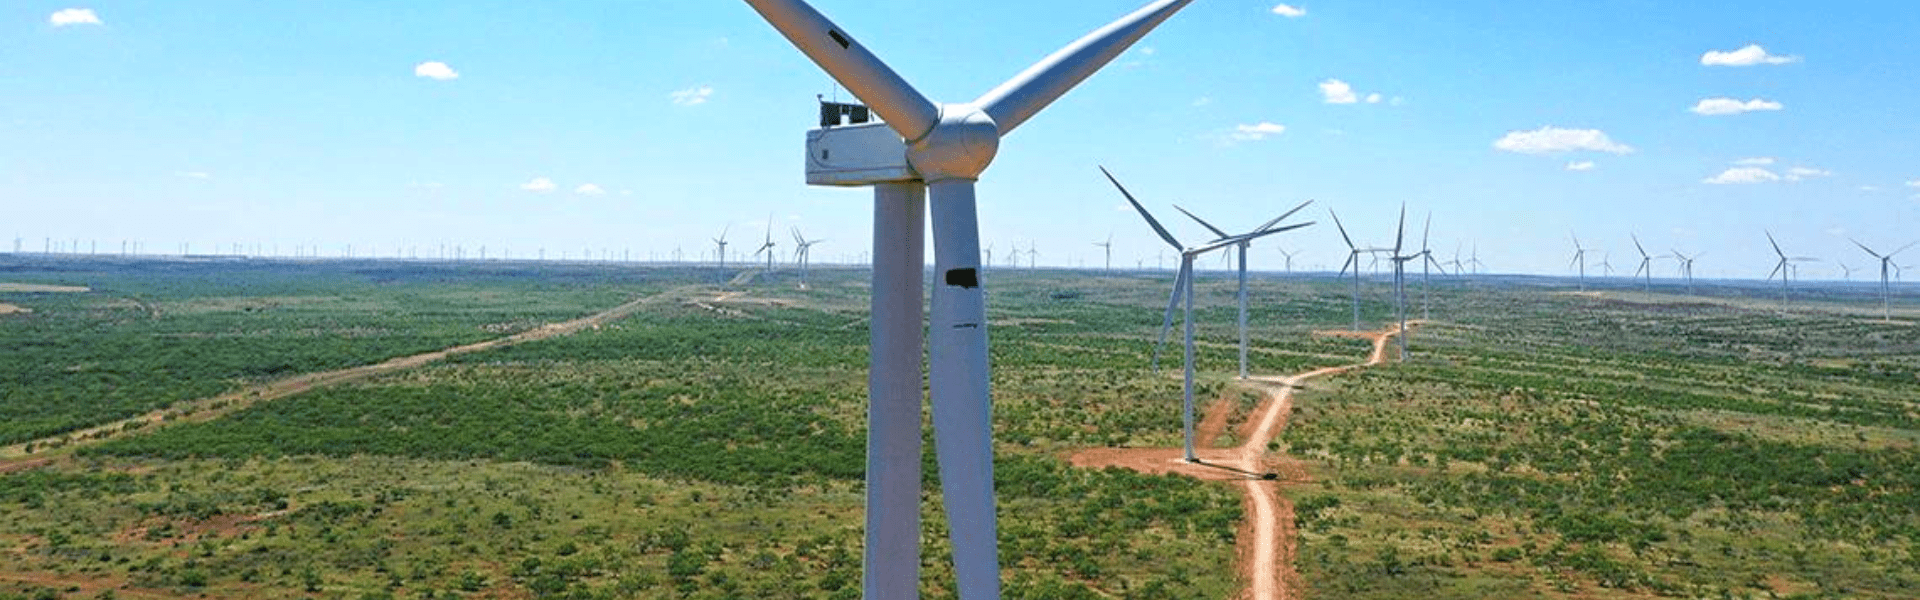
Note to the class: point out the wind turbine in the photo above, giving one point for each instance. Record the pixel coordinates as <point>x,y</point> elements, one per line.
<point>1399,278</point>
<point>1686,267</point>
<point>1108,247</point>
<point>1646,263</point>
<point>767,246</point>
<point>1846,272</point>
<point>1289,254</point>
<point>803,253</point>
<point>1427,264</point>
<point>1784,268</point>
<point>1183,287</point>
<point>1033,255</point>
<point>1353,262</point>
<point>943,149</point>
<point>1580,258</point>
<point>1606,268</point>
<point>1886,291</point>
<point>1241,250</point>
<point>1474,259</point>
<point>720,246</point>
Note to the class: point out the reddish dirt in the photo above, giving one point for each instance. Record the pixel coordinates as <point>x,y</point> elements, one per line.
<point>1267,540</point>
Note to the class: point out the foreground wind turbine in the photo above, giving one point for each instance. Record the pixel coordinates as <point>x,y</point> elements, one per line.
<point>1886,292</point>
<point>1241,250</point>
<point>1183,288</point>
<point>938,150</point>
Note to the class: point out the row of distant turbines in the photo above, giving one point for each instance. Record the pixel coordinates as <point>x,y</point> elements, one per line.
<point>1785,267</point>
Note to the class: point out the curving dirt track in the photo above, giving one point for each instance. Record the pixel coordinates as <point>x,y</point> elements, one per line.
<point>16,457</point>
<point>1267,538</point>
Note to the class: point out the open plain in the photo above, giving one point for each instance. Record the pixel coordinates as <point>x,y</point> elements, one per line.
<point>400,429</point>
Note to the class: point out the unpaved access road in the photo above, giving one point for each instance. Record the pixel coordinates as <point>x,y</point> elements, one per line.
<point>1267,539</point>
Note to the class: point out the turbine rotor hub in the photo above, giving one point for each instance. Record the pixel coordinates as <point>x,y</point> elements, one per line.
<point>960,145</point>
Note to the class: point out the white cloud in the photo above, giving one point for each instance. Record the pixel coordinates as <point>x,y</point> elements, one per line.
<point>1580,165</point>
<point>436,70</point>
<point>588,189</point>
<point>1869,188</point>
<point>539,185</point>
<point>74,16</point>
<point>1258,131</point>
<point>1758,161</point>
<point>194,174</point>
<point>1729,106</point>
<point>1749,56</point>
<point>1548,140</point>
<point>1291,12</point>
<point>1799,173</point>
<point>693,96</point>
<point>1743,175</point>
<point>1338,92</point>
<point>1915,183</point>
<point>1373,98</point>
<point>1203,101</point>
<point>1147,50</point>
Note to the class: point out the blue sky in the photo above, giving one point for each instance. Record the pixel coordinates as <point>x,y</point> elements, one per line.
<point>657,124</point>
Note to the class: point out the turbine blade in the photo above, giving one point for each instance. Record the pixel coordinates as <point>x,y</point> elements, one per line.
<point>1143,212</point>
<point>1637,246</point>
<point>1173,302</point>
<point>1864,247</point>
<point>904,109</point>
<point>958,376</point>
<point>1776,245</point>
<point>1202,222</point>
<point>1902,249</point>
<point>1283,216</point>
<point>1026,94</point>
<point>1426,232</point>
<point>1776,269</point>
<point>1400,234</point>
<point>1343,229</point>
<point>1222,243</point>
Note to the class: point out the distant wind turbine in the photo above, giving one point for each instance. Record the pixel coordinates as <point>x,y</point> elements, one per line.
<point>1241,250</point>
<point>1646,263</point>
<point>1108,247</point>
<point>1886,290</point>
<point>1580,258</point>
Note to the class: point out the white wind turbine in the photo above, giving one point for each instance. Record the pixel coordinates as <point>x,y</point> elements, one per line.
<point>1289,254</point>
<point>1183,288</point>
<point>1108,247</point>
<point>1646,264</point>
<point>1241,250</point>
<point>1353,262</point>
<point>720,246</point>
<point>937,150</point>
<point>803,254</point>
<point>1686,267</point>
<point>1400,279</point>
<point>1427,264</point>
<point>1886,291</point>
<point>1580,258</point>
<point>1785,267</point>
<point>767,246</point>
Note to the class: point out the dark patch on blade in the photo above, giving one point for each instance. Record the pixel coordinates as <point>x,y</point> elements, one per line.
<point>839,39</point>
<point>966,278</point>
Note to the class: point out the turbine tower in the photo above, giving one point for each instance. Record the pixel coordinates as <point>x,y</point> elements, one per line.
<point>1289,254</point>
<point>1886,291</point>
<point>1427,264</point>
<point>1579,258</point>
<point>1686,267</point>
<point>1241,250</point>
<point>926,149</point>
<point>1108,247</point>
<point>1785,267</point>
<point>1183,288</point>
<point>1646,263</point>
<point>720,247</point>
<point>767,246</point>
<point>1353,262</point>
<point>1399,278</point>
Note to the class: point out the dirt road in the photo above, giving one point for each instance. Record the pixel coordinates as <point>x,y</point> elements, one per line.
<point>1267,540</point>
<point>16,457</point>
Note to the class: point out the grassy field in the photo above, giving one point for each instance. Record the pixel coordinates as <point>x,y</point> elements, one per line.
<point>1541,443</point>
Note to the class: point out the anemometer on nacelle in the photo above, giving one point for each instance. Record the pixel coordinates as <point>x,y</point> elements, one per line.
<point>852,149</point>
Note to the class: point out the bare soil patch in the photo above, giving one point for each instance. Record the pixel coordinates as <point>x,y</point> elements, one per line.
<point>40,288</point>
<point>9,309</point>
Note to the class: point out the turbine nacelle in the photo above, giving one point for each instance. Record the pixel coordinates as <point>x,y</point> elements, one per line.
<point>960,146</point>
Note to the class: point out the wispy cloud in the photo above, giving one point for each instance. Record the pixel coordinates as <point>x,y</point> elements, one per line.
<point>1258,131</point>
<point>1743,175</point>
<point>1800,173</point>
<point>1914,184</point>
<point>1581,165</point>
<point>1757,161</point>
<point>588,189</point>
<point>1335,91</point>
<point>1203,101</point>
<point>1729,106</point>
<point>193,174</point>
<point>693,96</point>
<point>539,185</point>
<point>1288,11</point>
<point>1550,140</point>
<point>435,70</point>
<point>1748,56</point>
<point>74,16</point>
